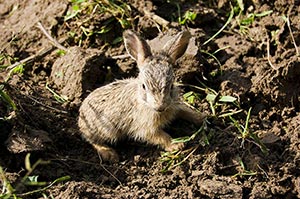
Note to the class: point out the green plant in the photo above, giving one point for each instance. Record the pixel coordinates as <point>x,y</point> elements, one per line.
<point>244,171</point>
<point>83,12</point>
<point>222,28</point>
<point>188,17</point>
<point>246,133</point>
<point>245,20</point>
<point>57,97</point>
<point>176,158</point>
<point>19,69</point>
<point>28,180</point>
<point>190,97</point>
<point>213,55</point>
<point>6,62</point>
<point>7,99</point>
<point>216,100</point>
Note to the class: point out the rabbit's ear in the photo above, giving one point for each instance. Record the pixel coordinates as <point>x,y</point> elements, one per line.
<point>177,46</point>
<point>136,46</point>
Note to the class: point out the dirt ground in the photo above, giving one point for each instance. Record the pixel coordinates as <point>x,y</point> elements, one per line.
<point>257,63</point>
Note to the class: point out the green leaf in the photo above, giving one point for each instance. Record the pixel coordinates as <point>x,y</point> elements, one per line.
<point>75,7</point>
<point>19,69</point>
<point>188,16</point>
<point>227,98</point>
<point>247,21</point>
<point>211,97</point>
<point>27,162</point>
<point>190,97</point>
<point>60,52</point>
<point>32,178</point>
<point>188,94</point>
<point>263,14</point>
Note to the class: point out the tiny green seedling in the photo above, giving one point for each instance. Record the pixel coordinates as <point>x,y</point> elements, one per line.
<point>244,21</point>
<point>213,55</point>
<point>7,99</point>
<point>77,7</point>
<point>247,134</point>
<point>16,70</point>
<point>216,100</point>
<point>251,17</point>
<point>244,171</point>
<point>188,17</point>
<point>60,52</point>
<point>57,97</point>
<point>190,97</point>
<point>221,29</point>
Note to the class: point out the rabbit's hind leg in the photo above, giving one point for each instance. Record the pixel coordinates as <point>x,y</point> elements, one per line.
<point>107,153</point>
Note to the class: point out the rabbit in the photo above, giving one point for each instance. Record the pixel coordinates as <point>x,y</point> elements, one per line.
<point>139,107</point>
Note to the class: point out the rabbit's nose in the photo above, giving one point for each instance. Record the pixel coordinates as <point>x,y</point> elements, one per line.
<point>160,109</point>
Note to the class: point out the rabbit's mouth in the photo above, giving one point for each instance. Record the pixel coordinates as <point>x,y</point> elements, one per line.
<point>160,109</point>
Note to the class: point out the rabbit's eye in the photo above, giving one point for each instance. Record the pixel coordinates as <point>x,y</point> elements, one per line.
<point>144,87</point>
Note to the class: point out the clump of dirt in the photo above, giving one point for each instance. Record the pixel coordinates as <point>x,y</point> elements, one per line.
<point>77,72</point>
<point>257,64</point>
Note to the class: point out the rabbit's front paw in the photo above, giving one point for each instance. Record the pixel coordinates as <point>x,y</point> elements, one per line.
<point>107,154</point>
<point>175,147</point>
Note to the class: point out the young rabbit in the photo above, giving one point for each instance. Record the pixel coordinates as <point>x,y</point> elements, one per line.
<point>138,107</point>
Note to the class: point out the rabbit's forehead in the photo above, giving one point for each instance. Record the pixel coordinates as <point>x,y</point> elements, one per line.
<point>159,66</point>
<point>157,74</point>
<point>155,83</point>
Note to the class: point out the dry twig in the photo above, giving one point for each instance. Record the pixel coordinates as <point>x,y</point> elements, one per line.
<point>53,41</point>
<point>40,53</point>
<point>291,33</point>
<point>161,21</point>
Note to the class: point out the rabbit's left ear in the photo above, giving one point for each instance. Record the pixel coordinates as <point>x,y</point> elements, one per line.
<point>177,46</point>
<point>136,46</point>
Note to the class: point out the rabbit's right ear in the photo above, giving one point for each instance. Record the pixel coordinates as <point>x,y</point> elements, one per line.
<point>177,46</point>
<point>136,46</point>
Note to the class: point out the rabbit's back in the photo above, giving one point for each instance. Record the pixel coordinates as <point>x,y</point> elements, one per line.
<point>107,111</point>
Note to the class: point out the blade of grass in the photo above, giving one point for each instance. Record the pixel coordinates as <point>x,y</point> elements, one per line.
<point>245,132</point>
<point>61,179</point>
<point>7,189</point>
<point>230,113</point>
<point>6,98</point>
<point>213,56</point>
<point>59,98</point>
<point>223,27</point>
